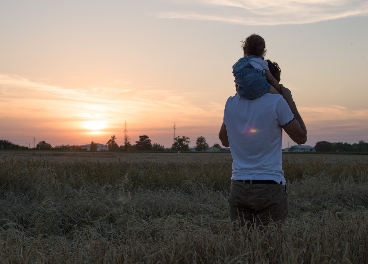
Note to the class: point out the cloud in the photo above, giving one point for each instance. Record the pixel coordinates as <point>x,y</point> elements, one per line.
<point>30,107</point>
<point>333,120</point>
<point>273,12</point>
<point>333,113</point>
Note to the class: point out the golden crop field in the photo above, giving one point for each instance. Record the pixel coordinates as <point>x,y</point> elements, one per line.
<point>172,208</point>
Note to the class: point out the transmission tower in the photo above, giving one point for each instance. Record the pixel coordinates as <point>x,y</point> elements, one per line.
<point>126,138</point>
<point>174,131</point>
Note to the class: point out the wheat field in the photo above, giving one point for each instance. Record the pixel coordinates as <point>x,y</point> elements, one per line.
<point>172,208</point>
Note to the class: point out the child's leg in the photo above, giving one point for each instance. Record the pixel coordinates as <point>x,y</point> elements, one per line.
<point>273,90</point>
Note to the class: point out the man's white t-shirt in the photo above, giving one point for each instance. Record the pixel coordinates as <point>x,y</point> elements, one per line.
<point>254,129</point>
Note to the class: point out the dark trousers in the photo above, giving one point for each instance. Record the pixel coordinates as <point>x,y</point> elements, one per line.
<point>257,203</point>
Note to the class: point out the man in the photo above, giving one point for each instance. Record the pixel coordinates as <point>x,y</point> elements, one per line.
<point>253,130</point>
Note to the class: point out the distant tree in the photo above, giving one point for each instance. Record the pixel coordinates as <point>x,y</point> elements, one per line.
<point>133,147</point>
<point>76,148</point>
<point>323,146</point>
<point>93,146</point>
<point>201,144</point>
<point>181,143</point>
<point>158,147</point>
<point>216,145</point>
<point>338,146</point>
<point>65,147</point>
<point>6,144</point>
<point>126,147</point>
<point>43,145</point>
<point>347,147</point>
<point>144,143</point>
<point>362,146</point>
<point>112,144</point>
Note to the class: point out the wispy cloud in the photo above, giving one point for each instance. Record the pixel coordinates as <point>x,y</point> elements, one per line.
<point>334,120</point>
<point>32,106</point>
<point>38,108</point>
<point>273,12</point>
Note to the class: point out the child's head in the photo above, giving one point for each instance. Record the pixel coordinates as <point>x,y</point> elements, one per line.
<point>254,45</point>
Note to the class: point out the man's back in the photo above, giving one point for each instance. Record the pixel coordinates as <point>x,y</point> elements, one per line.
<point>254,128</point>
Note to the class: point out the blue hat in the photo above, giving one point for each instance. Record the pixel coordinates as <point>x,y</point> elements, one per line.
<point>252,83</point>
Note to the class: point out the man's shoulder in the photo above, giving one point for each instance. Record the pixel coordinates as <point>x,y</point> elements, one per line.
<point>232,98</point>
<point>268,97</point>
<point>264,99</point>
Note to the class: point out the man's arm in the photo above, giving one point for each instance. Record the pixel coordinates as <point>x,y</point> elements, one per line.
<point>296,129</point>
<point>223,136</point>
<point>274,83</point>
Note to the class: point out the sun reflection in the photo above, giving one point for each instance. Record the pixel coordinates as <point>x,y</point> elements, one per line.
<point>94,125</point>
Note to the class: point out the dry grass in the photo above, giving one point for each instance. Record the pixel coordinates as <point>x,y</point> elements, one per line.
<point>170,208</point>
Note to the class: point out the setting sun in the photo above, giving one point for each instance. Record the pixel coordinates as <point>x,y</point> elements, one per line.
<point>94,125</point>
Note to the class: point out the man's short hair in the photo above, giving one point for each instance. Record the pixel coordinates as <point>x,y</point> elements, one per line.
<point>274,70</point>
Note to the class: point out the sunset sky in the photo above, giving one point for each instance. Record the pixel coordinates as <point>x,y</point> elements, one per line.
<point>74,71</point>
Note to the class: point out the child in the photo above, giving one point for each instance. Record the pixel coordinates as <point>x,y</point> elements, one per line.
<point>252,75</point>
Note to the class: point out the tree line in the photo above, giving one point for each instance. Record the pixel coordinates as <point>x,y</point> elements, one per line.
<point>144,143</point>
<point>181,143</point>
<point>325,146</point>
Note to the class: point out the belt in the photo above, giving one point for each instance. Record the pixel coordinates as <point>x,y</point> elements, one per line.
<point>257,182</point>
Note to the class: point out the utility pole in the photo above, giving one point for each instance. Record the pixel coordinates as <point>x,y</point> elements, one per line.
<point>174,132</point>
<point>34,142</point>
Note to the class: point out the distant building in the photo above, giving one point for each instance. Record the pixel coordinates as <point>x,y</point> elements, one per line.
<point>64,147</point>
<point>224,149</point>
<point>213,149</point>
<point>100,147</point>
<point>303,148</point>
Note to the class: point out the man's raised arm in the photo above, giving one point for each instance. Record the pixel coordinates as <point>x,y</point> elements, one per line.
<point>296,129</point>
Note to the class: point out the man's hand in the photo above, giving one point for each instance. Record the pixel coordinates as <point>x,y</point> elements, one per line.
<point>223,136</point>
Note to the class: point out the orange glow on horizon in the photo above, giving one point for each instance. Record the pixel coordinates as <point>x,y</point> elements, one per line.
<point>95,132</point>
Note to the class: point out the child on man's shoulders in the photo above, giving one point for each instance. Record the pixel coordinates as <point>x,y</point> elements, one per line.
<point>252,75</point>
